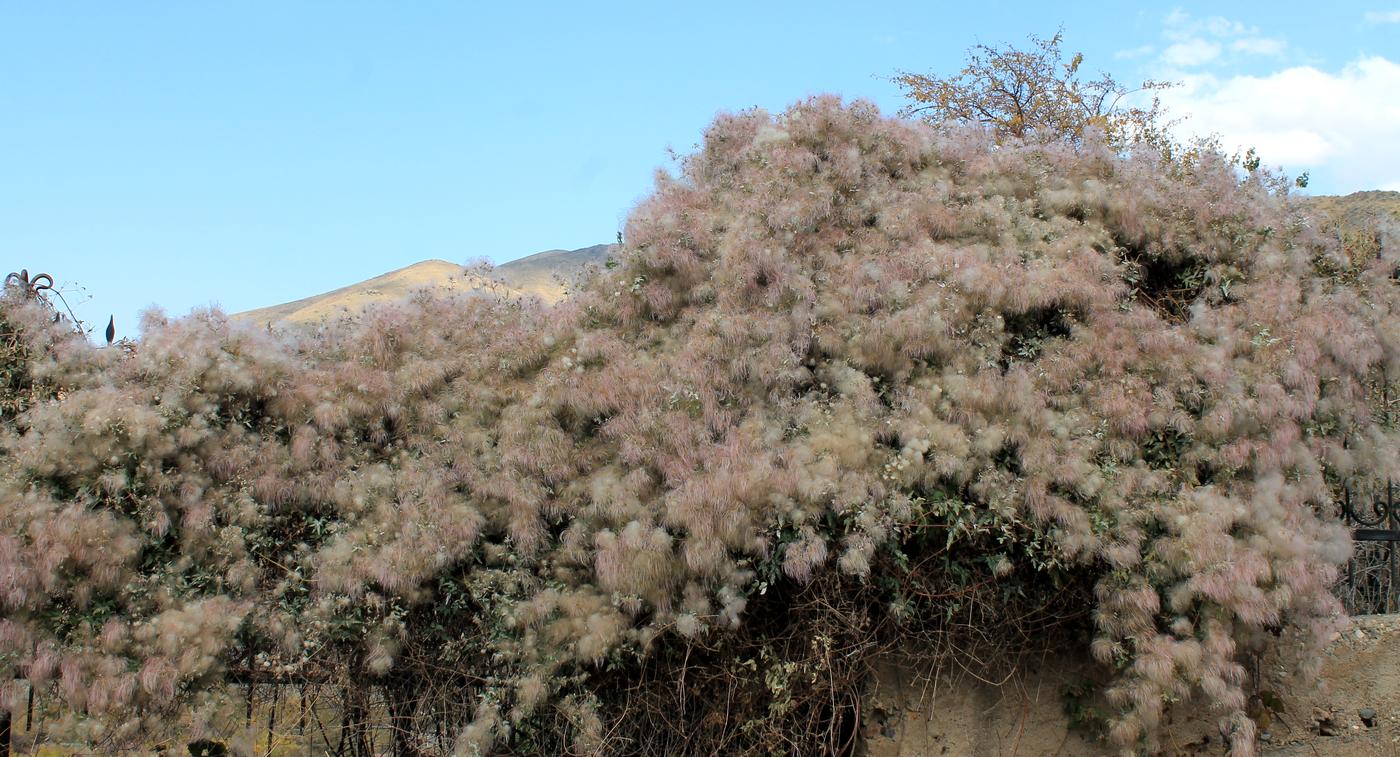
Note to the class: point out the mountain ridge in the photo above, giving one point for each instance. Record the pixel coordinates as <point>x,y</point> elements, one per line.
<point>544,275</point>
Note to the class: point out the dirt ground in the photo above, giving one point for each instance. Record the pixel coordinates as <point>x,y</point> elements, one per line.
<point>912,715</point>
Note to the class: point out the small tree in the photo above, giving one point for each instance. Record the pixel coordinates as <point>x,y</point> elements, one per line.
<point>1035,93</point>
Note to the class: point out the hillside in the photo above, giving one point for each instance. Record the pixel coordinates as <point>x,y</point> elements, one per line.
<point>543,275</point>
<point>1359,208</point>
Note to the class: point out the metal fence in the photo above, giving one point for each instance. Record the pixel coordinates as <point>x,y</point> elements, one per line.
<point>1371,582</point>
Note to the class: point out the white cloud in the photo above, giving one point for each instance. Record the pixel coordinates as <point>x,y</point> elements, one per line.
<point>1200,41</point>
<point>1180,25</point>
<point>1258,46</point>
<point>1383,17</point>
<point>1342,126</point>
<point>1191,52</point>
<point>1177,17</point>
<point>1224,27</point>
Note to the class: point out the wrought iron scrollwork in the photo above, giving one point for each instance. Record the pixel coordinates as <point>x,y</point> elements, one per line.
<point>1375,520</point>
<point>1372,580</point>
<point>30,286</point>
<point>41,285</point>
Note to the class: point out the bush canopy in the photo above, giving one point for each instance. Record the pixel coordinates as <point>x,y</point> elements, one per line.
<point>846,367</point>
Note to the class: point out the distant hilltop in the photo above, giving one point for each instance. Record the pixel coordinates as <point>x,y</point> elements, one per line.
<point>543,275</point>
<point>1359,209</point>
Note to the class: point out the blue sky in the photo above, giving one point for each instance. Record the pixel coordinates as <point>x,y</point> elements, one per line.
<point>245,154</point>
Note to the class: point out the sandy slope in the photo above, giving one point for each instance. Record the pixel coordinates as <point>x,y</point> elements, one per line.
<point>545,275</point>
<point>436,275</point>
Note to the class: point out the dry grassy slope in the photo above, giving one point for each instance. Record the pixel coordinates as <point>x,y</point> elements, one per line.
<point>1359,208</point>
<point>542,275</point>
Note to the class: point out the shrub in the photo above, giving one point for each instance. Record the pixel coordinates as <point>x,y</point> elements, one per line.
<point>854,383</point>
